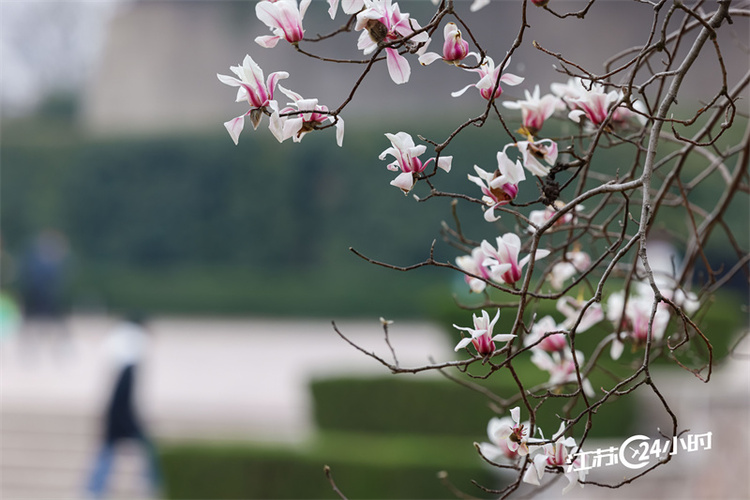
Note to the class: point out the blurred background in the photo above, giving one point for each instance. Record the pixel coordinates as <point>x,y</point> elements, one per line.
<point>134,233</point>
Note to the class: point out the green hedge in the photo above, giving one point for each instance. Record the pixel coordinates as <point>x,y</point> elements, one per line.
<point>363,466</point>
<point>397,405</point>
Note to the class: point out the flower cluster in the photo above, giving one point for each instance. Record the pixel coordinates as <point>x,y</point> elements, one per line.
<point>497,263</point>
<point>532,175</point>
<point>509,441</point>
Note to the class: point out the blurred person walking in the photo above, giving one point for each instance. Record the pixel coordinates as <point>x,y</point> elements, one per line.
<point>42,280</point>
<point>126,344</point>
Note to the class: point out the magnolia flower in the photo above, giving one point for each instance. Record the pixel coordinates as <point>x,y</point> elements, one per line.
<point>512,433</point>
<point>407,160</point>
<point>295,126</point>
<point>455,48</point>
<point>284,18</point>
<point>251,88</point>
<point>571,309</point>
<point>538,156</point>
<point>498,447</point>
<point>555,454</point>
<point>551,343</point>
<point>488,78</point>
<point>348,6</point>
<point>381,22</point>
<point>575,262</point>
<point>633,318</point>
<point>589,100</point>
<point>500,186</point>
<point>474,264</point>
<point>535,110</point>
<point>508,247</point>
<point>540,217</point>
<point>561,367</point>
<point>481,334</point>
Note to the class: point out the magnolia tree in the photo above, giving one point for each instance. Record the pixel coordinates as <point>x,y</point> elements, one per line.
<point>583,248</point>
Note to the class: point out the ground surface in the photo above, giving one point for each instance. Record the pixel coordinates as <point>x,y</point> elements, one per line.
<point>247,380</point>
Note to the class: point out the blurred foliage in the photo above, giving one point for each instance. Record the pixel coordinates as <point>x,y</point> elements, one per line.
<point>193,224</point>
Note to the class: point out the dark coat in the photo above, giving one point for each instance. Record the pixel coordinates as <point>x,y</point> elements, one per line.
<point>122,421</point>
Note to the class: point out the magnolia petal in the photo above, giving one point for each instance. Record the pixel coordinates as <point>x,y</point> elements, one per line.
<point>398,66</point>
<point>531,476</point>
<point>333,7</point>
<point>539,254</point>
<point>478,4</point>
<point>535,472</point>
<point>339,131</point>
<point>234,127</point>
<point>489,216</point>
<point>445,162</point>
<point>477,285</point>
<point>515,414</point>
<point>267,41</point>
<point>503,337</point>
<point>273,79</point>
<point>429,58</point>
<point>352,6</point>
<point>588,389</point>
<point>228,80</point>
<point>572,481</point>
<point>276,126</point>
<point>463,343</point>
<point>462,91</point>
<point>576,115</point>
<point>490,451</point>
<point>511,79</point>
<point>404,181</point>
<point>616,349</point>
<point>303,5</point>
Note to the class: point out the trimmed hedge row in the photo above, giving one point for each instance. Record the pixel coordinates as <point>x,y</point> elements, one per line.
<point>363,466</point>
<point>438,407</point>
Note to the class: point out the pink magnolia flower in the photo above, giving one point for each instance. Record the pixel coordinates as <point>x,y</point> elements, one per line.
<point>455,48</point>
<point>575,262</point>
<point>310,116</point>
<point>561,367</point>
<point>481,334</point>
<point>383,22</point>
<point>514,433</point>
<point>407,160</point>
<point>475,264</point>
<point>284,18</point>
<point>538,156</point>
<point>508,247</point>
<point>535,109</point>
<point>540,217</point>
<point>591,101</point>
<point>251,88</point>
<point>571,309</point>
<point>497,448</point>
<point>488,77</point>
<point>552,343</point>
<point>498,187</point>
<point>556,454</point>
<point>633,317</point>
